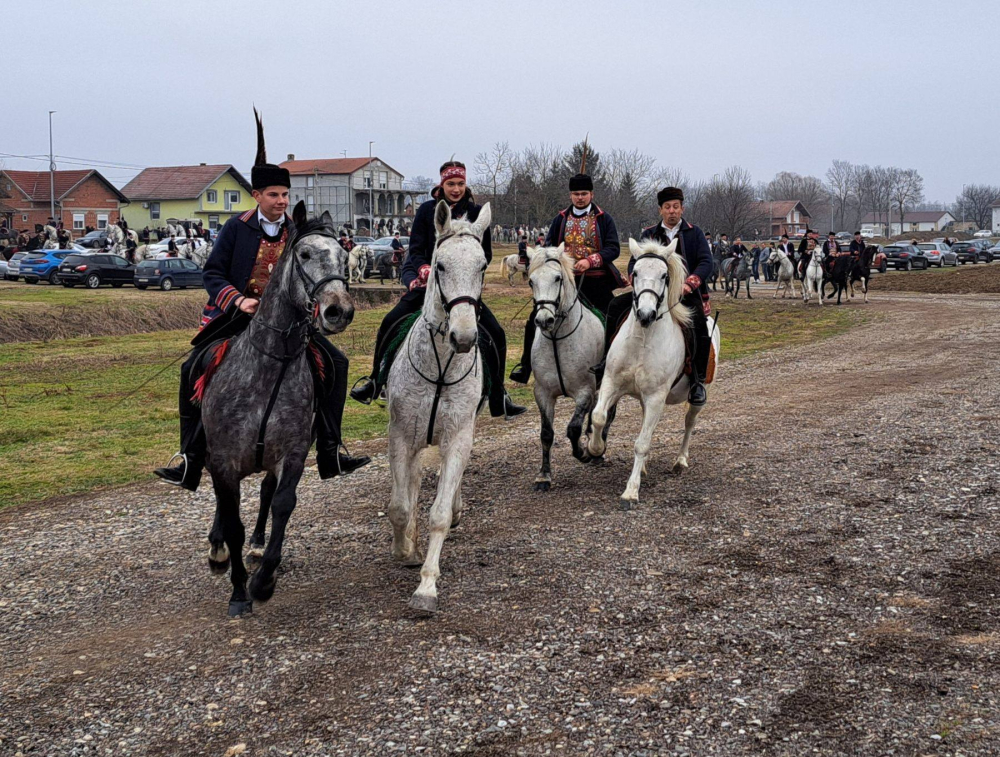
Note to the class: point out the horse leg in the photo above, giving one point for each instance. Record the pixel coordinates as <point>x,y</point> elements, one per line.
<point>455,455</point>
<point>864,283</point>
<point>267,487</point>
<point>227,497</point>
<point>748,290</point>
<point>777,289</point>
<point>601,416</point>
<point>218,552</point>
<point>574,430</point>
<point>547,409</point>
<point>652,409</point>
<point>282,505</point>
<point>681,464</point>
<point>405,469</point>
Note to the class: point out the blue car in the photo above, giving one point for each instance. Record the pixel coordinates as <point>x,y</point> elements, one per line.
<point>43,264</point>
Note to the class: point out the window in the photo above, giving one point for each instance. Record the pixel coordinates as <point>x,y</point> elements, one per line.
<point>211,197</point>
<point>232,198</point>
<point>78,221</point>
<point>309,203</point>
<point>24,218</point>
<point>310,181</point>
<point>102,220</point>
<point>154,211</point>
<point>368,179</point>
<point>383,180</point>
<point>120,262</point>
<point>213,222</point>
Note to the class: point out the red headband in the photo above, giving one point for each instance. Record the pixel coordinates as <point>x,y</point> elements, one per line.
<point>452,172</point>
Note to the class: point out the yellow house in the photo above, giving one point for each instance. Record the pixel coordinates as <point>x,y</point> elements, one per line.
<point>211,194</point>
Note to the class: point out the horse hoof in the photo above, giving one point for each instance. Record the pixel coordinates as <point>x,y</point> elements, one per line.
<point>628,504</point>
<point>218,559</point>
<point>240,608</point>
<point>413,561</point>
<point>596,459</point>
<point>420,603</point>
<point>262,589</point>
<point>543,486</point>
<point>680,466</point>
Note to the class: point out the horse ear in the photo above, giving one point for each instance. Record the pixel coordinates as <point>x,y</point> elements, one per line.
<point>299,214</point>
<point>442,218</point>
<point>672,247</point>
<point>561,248</point>
<point>633,247</point>
<point>483,221</point>
<point>326,217</point>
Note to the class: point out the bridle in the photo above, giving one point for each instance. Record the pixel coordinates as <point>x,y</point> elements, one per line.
<point>560,314</point>
<point>449,304</point>
<point>660,296</point>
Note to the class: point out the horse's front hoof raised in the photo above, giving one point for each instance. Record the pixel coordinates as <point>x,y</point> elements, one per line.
<point>543,486</point>
<point>262,589</point>
<point>239,608</point>
<point>421,603</point>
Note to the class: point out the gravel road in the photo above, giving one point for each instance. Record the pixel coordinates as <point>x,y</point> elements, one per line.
<point>824,580</point>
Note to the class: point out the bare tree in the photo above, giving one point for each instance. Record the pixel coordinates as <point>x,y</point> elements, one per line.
<point>808,190</point>
<point>840,186</point>
<point>493,169</point>
<point>729,203</point>
<point>906,190</point>
<point>974,204</point>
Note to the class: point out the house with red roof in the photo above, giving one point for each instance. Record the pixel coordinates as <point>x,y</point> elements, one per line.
<point>83,198</point>
<point>787,217</point>
<point>209,193</point>
<point>355,191</point>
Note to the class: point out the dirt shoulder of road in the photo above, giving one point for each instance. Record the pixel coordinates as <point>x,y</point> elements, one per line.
<point>982,278</point>
<point>823,580</point>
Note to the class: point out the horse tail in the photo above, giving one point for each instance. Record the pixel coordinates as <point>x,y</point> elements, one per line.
<point>676,274</point>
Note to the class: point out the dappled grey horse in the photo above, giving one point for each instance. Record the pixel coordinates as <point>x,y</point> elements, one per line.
<point>258,408</point>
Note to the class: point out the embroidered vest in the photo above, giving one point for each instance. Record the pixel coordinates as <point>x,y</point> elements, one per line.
<point>267,257</point>
<point>581,235</point>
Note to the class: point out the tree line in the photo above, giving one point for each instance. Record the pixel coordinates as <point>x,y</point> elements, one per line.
<point>528,186</point>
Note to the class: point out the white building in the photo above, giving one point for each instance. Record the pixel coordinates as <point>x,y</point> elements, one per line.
<point>915,220</point>
<point>345,186</point>
<point>995,226</point>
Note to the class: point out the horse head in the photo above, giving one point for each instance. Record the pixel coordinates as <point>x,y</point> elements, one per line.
<point>550,275</point>
<point>313,271</point>
<point>455,283</point>
<point>657,281</point>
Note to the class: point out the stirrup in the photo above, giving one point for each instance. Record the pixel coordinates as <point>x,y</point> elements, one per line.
<point>355,386</point>
<point>183,458</point>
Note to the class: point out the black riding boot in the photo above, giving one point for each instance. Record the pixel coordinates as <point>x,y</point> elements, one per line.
<point>522,371</point>
<point>494,350</point>
<point>699,362</point>
<point>192,452</point>
<point>617,313</point>
<point>330,459</point>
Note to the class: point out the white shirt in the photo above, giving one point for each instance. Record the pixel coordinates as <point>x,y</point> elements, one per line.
<point>271,228</point>
<point>671,233</point>
<point>581,211</point>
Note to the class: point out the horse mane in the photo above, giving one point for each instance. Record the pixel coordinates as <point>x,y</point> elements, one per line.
<point>544,255</point>
<point>676,274</point>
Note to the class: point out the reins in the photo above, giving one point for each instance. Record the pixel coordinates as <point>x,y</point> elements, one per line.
<point>660,296</point>
<point>560,314</point>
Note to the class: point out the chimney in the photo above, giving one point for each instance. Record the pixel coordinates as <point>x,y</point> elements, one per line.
<point>291,156</point>
<point>202,164</point>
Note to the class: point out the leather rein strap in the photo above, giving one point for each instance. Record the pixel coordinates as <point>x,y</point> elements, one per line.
<point>561,316</point>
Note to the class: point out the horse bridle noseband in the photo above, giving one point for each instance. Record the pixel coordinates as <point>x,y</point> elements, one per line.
<point>660,296</point>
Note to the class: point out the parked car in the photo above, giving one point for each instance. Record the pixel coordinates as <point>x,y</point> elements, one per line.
<point>3,266</point>
<point>167,274</point>
<point>14,266</point>
<point>972,252</point>
<point>938,253</point>
<point>384,244</point>
<point>985,246</point>
<point>868,233</point>
<point>162,247</point>
<point>844,236</point>
<point>364,240</point>
<point>994,252</point>
<point>982,234</point>
<point>878,248</point>
<point>94,269</point>
<point>43,264</point>
<point>905,257</point>
<point>94,240</point>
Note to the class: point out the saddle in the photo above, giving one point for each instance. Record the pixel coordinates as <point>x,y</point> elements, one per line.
<point>210,357</point>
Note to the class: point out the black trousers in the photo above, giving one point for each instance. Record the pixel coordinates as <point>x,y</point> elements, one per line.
<point>494,352</point>
<point>329,403</point>
<point>598,291</point>
<point>618,312</point>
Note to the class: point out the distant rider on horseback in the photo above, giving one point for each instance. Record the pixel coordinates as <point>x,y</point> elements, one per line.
<point>414,272</point>
<point>591,238</point>
<point>235,274</point>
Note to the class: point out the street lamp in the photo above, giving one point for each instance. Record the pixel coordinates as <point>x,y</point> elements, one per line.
<point>371,193</point>
<point>52,174</point>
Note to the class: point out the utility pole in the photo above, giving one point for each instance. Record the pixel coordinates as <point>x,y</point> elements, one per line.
<point>371,193</point>
<point>52,173</point>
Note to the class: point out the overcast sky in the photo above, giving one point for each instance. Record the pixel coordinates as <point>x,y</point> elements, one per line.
<point>701,85</point>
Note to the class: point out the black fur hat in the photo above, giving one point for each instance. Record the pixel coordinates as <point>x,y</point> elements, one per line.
<point>264,174</point>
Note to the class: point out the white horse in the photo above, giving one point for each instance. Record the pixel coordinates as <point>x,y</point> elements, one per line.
<point>571,340</point>
<point>813,280</point>
<point>434,391</point>
<point>510,266</point>
<point>51,238</point>
<point>785,272</point>
<point>646,359</point>
<point>357,263</point>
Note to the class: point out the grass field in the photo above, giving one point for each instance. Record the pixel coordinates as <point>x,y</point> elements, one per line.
<point>67,424</point>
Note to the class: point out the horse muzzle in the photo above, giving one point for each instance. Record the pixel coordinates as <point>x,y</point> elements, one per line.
<point>335,316</point>
<point>645,316</point>
<point>545,320</point>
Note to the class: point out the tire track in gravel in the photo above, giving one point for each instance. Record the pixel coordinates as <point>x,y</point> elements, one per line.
<point>786,594</point>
